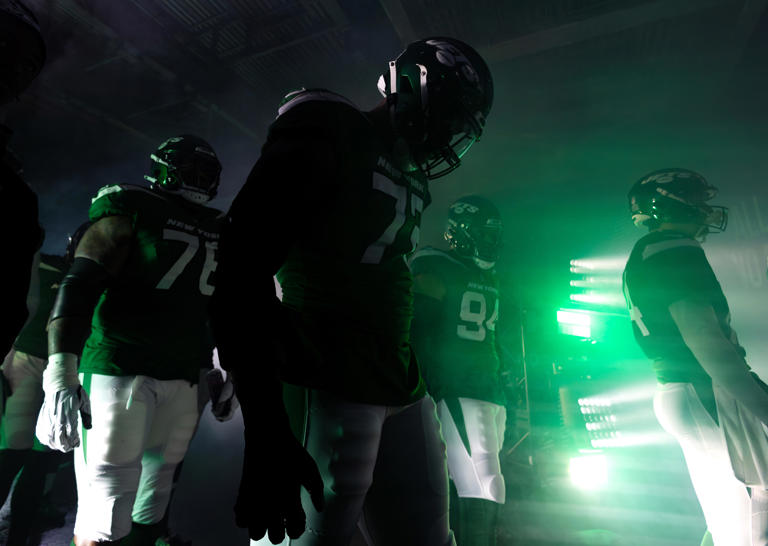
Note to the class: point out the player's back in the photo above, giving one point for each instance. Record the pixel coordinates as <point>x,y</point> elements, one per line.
<point>346,273</point>
<point>663,268</point>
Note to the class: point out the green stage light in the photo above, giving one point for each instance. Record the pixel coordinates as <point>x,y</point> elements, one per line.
<point>631,439</point>
<point>606,264</point>
<point>597,282</point>
<point>590,281</point>
<point>589,470</point>
<point>600,299</point>
<point>573,322</point>
<point>574,316</point>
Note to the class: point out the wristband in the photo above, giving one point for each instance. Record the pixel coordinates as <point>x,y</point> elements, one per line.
<point>61,372</point>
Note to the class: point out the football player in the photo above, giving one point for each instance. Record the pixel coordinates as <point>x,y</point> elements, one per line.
<point>22,54</point>
<point>454,336</point>
<point>707,397</point>
<point>334,205</point>
<point>138,290</point>
<point>23,372</point>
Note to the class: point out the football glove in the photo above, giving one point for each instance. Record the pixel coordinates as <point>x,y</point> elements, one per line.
<point>64,398</point>
<point>222,393</point>
<point>275,468</point>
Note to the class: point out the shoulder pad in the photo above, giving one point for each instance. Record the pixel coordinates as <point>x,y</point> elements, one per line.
<point>672,243</point>
<point>115,188</point>
<point>301,96</point>
<point>120,200</point>
<point>430,258</point>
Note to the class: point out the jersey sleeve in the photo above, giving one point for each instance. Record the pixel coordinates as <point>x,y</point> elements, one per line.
<point>307,148</point>
<point>280,202</point>
<point>680,271</point>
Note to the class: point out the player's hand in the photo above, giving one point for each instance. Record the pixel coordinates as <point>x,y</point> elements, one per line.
<point>269,501</point>
<point>222,393</point>
<point>64,401</point>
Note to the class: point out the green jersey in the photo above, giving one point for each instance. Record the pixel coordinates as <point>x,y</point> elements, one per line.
<point>663,268</point>
<point>153,319</point>
<point>459,358</point>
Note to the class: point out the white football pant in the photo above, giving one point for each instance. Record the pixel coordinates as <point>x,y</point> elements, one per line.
<point>476,472</point>
<point>723,498</point>
<point>24,373</point>
<point>125,463</point>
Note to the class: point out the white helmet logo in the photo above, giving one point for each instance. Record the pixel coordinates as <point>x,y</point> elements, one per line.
<point>449,55</point>
<point>461,208</point>
<point>665,177</point>
<point>170,141</point>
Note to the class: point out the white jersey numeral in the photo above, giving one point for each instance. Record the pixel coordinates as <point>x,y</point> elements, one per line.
<point>177,268</point>
<point>375,252</point>
<point>206,289</point>
<point>193,244</point>
<point>476,318</point>
<point>634,313</point>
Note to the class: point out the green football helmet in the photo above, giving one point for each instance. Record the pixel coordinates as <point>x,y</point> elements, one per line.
<point>474,230</point>
<point>185,165</point>
<point>439,91</point>
<point>677,196</point>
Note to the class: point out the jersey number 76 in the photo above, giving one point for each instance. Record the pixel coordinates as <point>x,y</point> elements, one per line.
<point>193,244</point>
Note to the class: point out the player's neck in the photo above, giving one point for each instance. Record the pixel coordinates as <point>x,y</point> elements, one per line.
<point>396,146</point>
<point>379,118</point>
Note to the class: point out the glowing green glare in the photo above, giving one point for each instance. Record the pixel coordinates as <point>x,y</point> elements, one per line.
<point>569,316</point>
<point>590,281</point>
<point>601,401</point>
<point>576,330</point>
<point>636,392</point>
<point>609,263</point>
<point>608,300</point>
<point>619,439</point>
<point>573,322</point>
<point>589,470</point>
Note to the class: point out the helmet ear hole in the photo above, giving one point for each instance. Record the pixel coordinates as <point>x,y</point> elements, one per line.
<point>405,85</point>
<point>160,173</point>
